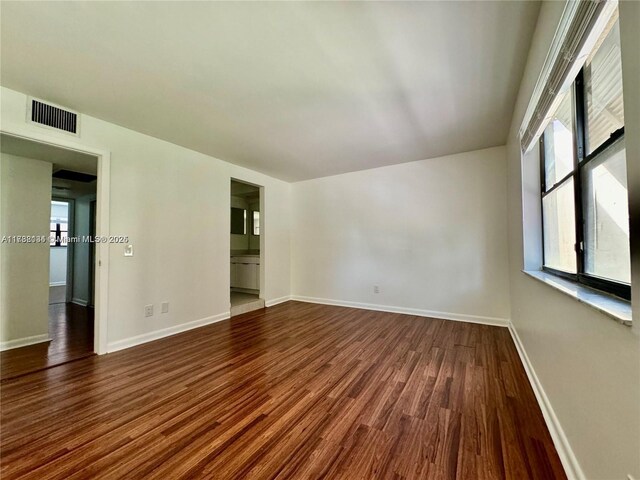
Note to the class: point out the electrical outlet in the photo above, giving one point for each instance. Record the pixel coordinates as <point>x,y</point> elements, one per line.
<point>376,289</point>
<point>148,310</point>
<point>165,307</point>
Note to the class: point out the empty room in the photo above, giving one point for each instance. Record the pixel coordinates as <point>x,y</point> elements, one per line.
<point>303,240</point>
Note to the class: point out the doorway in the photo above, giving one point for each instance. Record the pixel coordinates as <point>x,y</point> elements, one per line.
<point>55,325</point>
<point>247,240</point>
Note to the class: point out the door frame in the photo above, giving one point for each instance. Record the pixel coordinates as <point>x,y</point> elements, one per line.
<point>93,205</point>
<point>101,267</point>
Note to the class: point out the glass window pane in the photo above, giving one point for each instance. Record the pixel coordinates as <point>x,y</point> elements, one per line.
<point>606,212</point>
<point>603,88</point>
<point>558,143</point>
<point>558,211</point>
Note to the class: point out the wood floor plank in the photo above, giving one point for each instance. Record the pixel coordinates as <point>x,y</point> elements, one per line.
<point>293,391</point>
<point>71,333</point>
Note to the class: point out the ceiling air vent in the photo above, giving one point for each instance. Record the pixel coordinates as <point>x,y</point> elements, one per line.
<point>53,116</point>
<point>75,176</point>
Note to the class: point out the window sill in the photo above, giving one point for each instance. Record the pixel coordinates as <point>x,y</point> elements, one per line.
<point>616,308</point>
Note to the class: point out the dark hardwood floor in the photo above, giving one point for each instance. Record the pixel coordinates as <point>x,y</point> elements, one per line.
<point>294,391</point>
<point>71,331</point>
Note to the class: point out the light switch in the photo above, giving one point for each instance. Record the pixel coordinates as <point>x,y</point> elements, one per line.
<point>128,251</point>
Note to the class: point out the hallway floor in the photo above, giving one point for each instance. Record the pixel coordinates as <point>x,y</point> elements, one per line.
<point>245,302</point>
<point>57,294</point>
<point>71,331</point>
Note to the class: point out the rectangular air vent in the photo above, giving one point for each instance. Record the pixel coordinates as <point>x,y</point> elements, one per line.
<point>54,117</point>
<point>75,176</point>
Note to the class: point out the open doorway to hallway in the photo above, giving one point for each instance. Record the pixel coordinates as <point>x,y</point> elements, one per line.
<point>47,285</point>
<point>247,228</point>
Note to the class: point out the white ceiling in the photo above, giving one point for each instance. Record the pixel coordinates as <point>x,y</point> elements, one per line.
<point>243,189</point>
<point>296,90</point>
<point>60,157</point>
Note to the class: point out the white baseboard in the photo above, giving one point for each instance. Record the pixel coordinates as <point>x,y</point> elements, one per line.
<point>23,342</point>
<point>57,284</point>
<point>276,301</point>
<point>567,457</point>
<point>79,301</point>
<point>459,317</point>
<point>165,332</point>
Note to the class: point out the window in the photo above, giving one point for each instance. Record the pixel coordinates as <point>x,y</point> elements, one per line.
<point>256,223</point>
<point>59,224</point>
<point>585,212</point>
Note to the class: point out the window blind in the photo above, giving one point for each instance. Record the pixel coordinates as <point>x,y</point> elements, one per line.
<point>579,28</point>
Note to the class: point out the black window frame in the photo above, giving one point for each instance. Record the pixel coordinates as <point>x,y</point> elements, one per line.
<point>578,105</point>
<point>57,236</point>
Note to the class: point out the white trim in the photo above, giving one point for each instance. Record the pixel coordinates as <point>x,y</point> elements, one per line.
<point>459,317</point>
<point>101,272</point>
<point>57,284</point>
<point>614,307</point>
<point>70,248</point>
<point>101,257</point>
<point>23,342</point>
<point>165,332</point>
<point>79,301</point>
<point>276,301</point>
<point>262,280</point>
<point>567,457</point>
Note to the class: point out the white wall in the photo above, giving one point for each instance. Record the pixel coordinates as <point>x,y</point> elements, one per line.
<point>25,190</point>
<point>57,266</point>
<point>630,39</point>
<point>173,203</point>
<point>431,234</point>
<point>587,364</point>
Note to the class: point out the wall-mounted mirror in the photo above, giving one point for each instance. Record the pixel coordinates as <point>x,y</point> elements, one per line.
<point>238,221</point>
